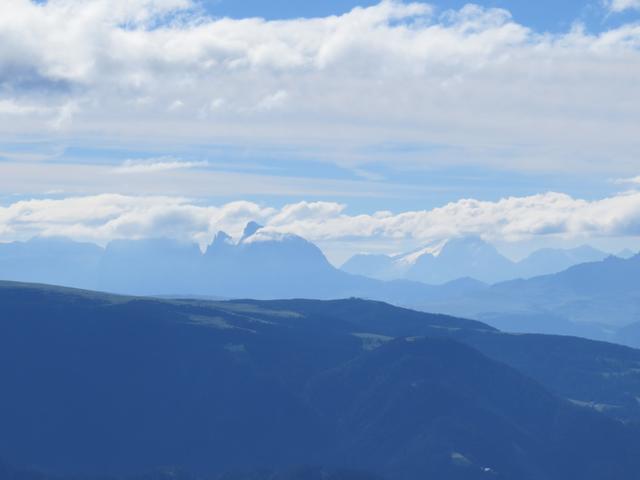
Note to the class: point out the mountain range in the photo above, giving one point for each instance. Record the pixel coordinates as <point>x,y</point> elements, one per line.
<point>258,266</point>
<point>265,265</point>
<point>97,384</point>
<point>468,257</point>
<point>595,299</point>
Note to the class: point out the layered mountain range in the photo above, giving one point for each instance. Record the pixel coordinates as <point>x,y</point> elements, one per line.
<point>104,386</point>
<point>596,299</point>
<point>468,257</point>
<point>257,266</point>
<point>163,266</point>
<point>260,264</point>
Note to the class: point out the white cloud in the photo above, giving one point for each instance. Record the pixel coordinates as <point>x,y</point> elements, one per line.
<point>11,107</point>
<point>622,5</point>
<point>273,101</point>
<point>175,105</point>
<point>29,178</point>
<point>156,165</point>
<point>631,180</point>
<point>306,212</point>
<point>476,84</point>
<point>102,218</point>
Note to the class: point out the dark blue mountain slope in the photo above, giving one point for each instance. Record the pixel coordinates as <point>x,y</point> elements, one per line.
<point>102,384</point>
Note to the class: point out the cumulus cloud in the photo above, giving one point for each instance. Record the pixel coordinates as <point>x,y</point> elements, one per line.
<point>102,218</point>
<point>622,5</point>
<point>473,82</point>
<point>631,180</point>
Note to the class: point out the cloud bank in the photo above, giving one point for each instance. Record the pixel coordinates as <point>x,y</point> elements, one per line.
<point>622,5</point>
<point>469,86</point>
<point>102,218</point>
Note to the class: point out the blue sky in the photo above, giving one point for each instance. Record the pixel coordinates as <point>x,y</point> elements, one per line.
<point>397,106</point>
<point>542,15</point>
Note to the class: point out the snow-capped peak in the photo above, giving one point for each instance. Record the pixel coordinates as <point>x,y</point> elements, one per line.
<point>412,257</point>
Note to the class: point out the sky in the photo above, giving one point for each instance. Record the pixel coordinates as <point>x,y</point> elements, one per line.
<point>541,15</point>
<point>362,126</point>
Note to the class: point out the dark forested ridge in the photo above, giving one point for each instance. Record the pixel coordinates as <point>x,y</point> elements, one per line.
<point>8,472</point>
<point>97,384</point>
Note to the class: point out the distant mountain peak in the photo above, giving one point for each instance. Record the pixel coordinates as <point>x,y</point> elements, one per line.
<point>433,249</point>
<point>250,229</point>
<point>222,238</point>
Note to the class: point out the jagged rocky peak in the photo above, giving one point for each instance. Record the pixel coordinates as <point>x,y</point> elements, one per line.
<point>250,229</point>
<point>222,238</point>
